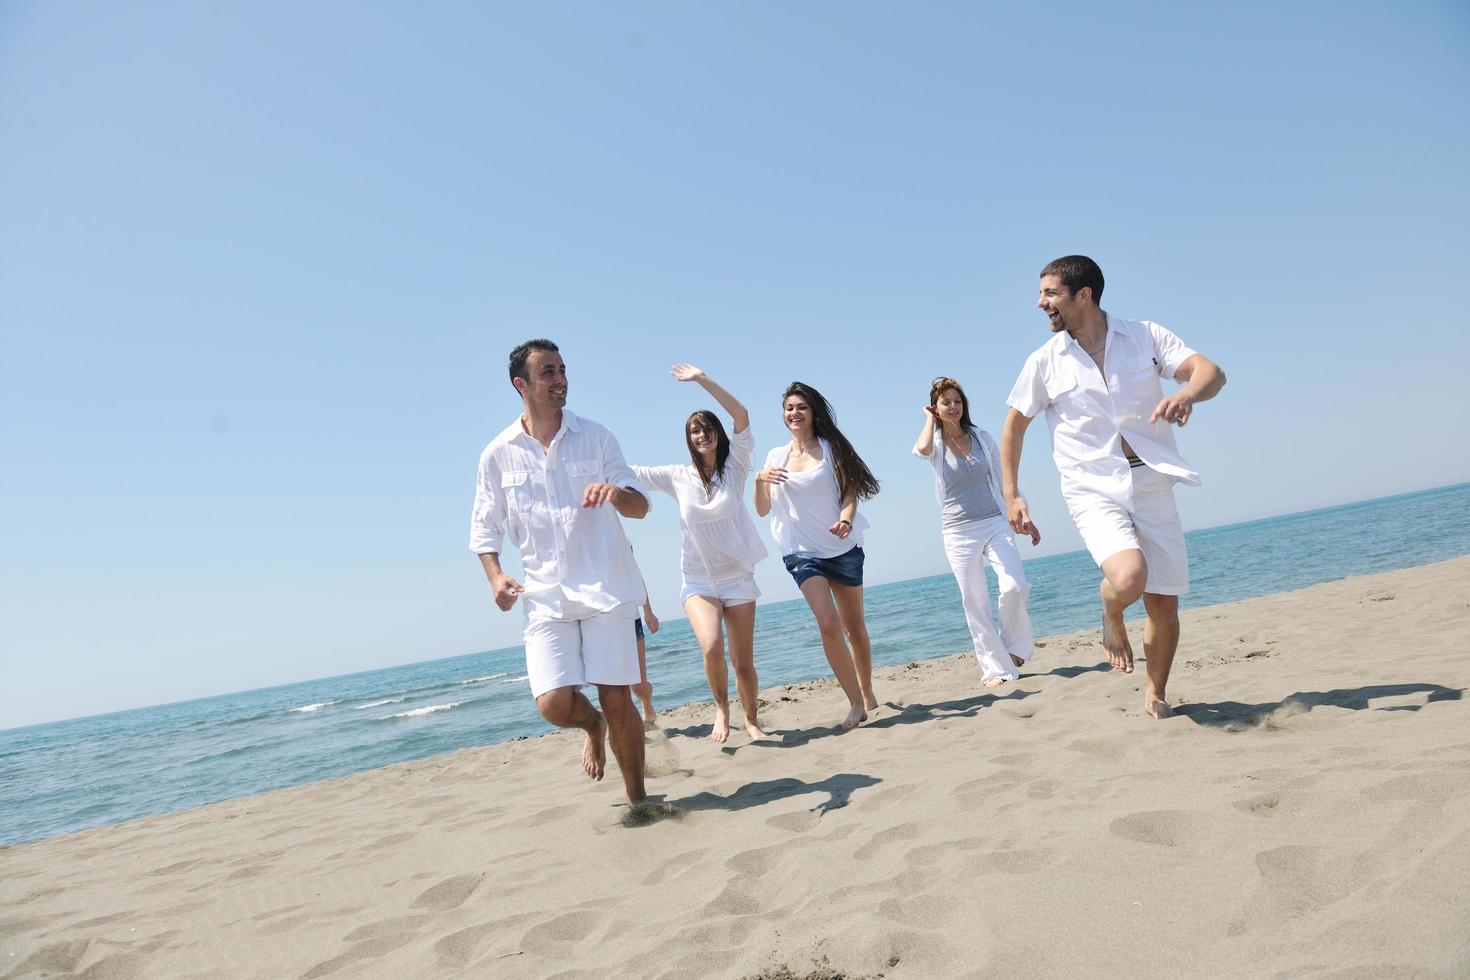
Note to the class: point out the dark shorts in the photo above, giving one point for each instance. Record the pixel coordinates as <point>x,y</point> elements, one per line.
<point>845,569</point>
<point>638,627</point>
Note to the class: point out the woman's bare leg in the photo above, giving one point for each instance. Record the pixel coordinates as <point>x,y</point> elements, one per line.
<point>740,625</point>
<point>704,617</point>
<point>850,607</point>
<point>818,593</point>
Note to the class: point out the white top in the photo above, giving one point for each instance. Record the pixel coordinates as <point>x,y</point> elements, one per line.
<point>982,444</point>
<point>567,551</point>
<point>1090,411</point>
<point>720,539</point>
<point>806,506</point>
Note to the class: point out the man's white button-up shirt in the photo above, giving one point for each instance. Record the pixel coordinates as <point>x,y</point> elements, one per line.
<point>567,551</point>
<point>1090,411</point>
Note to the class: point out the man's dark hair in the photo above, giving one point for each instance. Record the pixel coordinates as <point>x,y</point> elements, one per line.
<point>1076,271</point>
<point>521,353</point>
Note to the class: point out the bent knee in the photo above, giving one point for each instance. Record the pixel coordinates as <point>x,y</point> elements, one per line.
<point>556,706</point>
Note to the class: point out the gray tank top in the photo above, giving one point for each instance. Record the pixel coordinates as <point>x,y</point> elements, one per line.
<point>967,495</point>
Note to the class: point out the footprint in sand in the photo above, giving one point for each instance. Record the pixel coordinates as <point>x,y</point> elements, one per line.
<point>450,893</point>
<point>798,823</point>
<point>667,869</point>
<point>1163,828</point>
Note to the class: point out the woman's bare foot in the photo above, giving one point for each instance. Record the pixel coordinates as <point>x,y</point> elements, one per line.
<point>753,729</point>
<point>996,681</point>
<point>1116,645</point>
<point>722,723</point>
<point>855,717</point>
<point>1017,661</point>
<point>870,701</point>
<point>594,751</point>
<point>644,690</point>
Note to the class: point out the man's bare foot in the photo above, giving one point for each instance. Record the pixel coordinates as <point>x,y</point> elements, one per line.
<point>1017,661</point>
<point>855,717</point>
<point>594,751</point>
<point>721,730</point>
<point>753,729</point>
<point>1116,645</point>
<point>1157,707</point>
<point>996,681</point>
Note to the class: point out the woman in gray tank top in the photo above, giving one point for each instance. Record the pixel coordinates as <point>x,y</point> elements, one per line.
<point>966,468</point>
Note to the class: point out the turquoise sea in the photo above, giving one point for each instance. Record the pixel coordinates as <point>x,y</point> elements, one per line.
<point>87,772</point>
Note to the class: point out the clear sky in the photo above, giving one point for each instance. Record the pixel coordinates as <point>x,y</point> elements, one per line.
<point>261,264</point>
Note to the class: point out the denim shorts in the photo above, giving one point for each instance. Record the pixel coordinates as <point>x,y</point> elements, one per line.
<point>845,569</point>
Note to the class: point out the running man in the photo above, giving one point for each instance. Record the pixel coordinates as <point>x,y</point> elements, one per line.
<point>549,478</point>
<point>1099,381</point>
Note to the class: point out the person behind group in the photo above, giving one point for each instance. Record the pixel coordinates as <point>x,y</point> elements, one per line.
<point>720,548</point>
<point>548,478</point>
<point>976,532</point>
<point>644,688</point>
<point>1098,380</point>
<point>811,488</point>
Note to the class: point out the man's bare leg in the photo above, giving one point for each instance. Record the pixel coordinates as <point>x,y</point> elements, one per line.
<point>741,623</point>
<point>1160,640</point>
<point>567,707</point>
<point>850,607</point>
<point>818,594</point>
<point>705,619</point>
<point>625,732</point>
<point>1124,575</point>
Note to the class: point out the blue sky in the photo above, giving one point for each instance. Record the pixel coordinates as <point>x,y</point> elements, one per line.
<point>261,263</point>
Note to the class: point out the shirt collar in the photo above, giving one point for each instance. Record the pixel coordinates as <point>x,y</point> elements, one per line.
<point>569,423</point>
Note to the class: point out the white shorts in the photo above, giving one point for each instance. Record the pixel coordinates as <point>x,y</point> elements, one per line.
<point>1152,527</point>
<point>597,649</point>
<point>730,590</point>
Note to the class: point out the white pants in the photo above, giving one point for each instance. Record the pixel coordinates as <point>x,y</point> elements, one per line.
<point>969,550</point>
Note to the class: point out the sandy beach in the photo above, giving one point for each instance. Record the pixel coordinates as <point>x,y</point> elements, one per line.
<point>1306,814</point>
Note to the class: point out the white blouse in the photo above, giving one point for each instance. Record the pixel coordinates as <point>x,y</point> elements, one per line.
<point>806,506</point>
<point>720,539</point>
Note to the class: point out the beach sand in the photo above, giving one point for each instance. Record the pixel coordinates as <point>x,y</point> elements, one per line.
<point>1307,814</point>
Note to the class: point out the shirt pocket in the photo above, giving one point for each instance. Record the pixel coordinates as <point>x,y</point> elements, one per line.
<point>517,490</point>
<point>1061,388</point>
<point>581,472</point>
<point>1141,386</point>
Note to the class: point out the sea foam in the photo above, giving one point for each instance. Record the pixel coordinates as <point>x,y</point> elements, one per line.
<point>427,710</point>
<point>315,707</point>
<point>377,704</point>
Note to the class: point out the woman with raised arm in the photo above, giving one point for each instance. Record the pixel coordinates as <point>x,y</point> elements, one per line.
<point>966,468</point>
<point>811,488</point>
<point>720,546</point>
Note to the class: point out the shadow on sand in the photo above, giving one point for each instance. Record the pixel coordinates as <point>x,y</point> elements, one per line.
<point>838,790</point>
<point>1239,716</point>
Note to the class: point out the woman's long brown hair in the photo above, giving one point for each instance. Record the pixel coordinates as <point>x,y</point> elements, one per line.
<point>853,475</point>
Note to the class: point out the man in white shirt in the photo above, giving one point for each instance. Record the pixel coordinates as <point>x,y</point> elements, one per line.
<point>1098,379</point>
<point>547,479</point>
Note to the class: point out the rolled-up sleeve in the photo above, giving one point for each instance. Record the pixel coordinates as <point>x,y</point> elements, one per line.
<point>1169,349</point>
<point>1028,395</point>
<point>487,517</point>
<point>615,469</point>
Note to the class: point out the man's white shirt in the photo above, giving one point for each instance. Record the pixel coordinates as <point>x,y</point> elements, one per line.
<point>1091,411</point>
<point>568,552</point>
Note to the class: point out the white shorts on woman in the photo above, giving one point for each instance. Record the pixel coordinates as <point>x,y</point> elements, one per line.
<point>734,589</point>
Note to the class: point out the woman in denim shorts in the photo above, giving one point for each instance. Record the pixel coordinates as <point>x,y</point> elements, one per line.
<point>811,488</point>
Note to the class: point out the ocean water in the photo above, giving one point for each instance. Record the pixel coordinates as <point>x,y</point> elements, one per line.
<point>88,772</point>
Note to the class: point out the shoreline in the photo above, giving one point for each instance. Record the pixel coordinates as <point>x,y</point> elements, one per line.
<point>1307,808</point>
